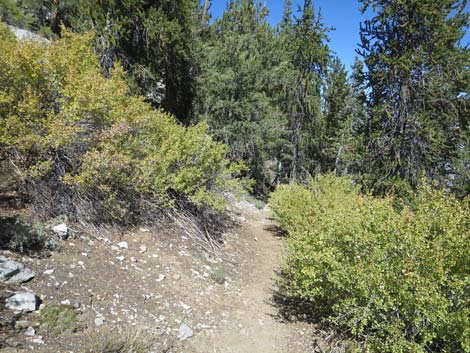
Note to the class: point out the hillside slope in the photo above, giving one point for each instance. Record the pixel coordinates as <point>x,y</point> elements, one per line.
<point>162,280</point>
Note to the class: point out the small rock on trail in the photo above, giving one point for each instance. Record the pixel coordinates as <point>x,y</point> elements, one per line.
<point>23,301</point>
<point>13,272</point>
<point>61,230</point>
<point>185,332</point>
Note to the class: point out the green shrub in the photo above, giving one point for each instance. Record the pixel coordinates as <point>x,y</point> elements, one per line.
<point>22,236</point>
<point>259,204</point>
<point>84,136</point>
<point>218,275</point>
<point>396,277</point>
<point>58,318</point>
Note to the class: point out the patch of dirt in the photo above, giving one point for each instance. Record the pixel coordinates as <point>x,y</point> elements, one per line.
<point>252,323</point>
<point>161,281</point>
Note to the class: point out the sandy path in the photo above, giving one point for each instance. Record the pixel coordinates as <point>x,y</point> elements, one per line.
<point>252,324</point>
<point>238,318</point>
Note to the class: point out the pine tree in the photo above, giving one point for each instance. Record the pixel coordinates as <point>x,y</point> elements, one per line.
<point>357,136</point>
<point>12,13</point>
<point>235,88</point>
<point>287,15</point>
<point>415,61</point>
<point>307,56</point>
<point>336,113</point>
<point>154,40</point>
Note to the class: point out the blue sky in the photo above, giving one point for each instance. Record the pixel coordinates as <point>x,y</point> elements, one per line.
<point>343,15</point>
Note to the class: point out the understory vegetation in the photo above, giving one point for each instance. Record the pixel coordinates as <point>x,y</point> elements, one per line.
<point>130,340</point>
<point>22,236</point>
<point>395,276</point>
<point>58,318</point>
<point>83,146</point>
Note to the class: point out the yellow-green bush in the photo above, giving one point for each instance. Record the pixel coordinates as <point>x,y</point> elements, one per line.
<point>397,279</point>
<point>65,123</point>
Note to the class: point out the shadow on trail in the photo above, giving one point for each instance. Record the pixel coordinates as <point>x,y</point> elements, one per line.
<point>324,337</point>
<point>293,309</point>
<point>289,308</point>
<point>276,231</point>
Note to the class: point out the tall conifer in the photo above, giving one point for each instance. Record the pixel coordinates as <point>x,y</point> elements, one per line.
<point>415,61</point>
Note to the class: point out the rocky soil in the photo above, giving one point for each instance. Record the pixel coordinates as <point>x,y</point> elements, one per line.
<point>162,284</point>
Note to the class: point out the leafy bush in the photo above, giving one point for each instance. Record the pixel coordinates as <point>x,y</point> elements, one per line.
<point>22,236</point>
<point>395,277</point>
<point>84,138</point>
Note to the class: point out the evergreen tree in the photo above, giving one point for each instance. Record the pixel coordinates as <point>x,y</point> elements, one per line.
<point>336,113</point>
<point>307,56</point>
<point>346,118</point>
<point>155,44</point>
<point>235,87</point>
<point>415,65</point>
<point>357,136</point>
<point>12,13</point>
<point>154,40</point>
<point>287,15</point>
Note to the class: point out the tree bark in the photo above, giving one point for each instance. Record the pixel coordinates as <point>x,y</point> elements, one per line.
<point>207,5</point>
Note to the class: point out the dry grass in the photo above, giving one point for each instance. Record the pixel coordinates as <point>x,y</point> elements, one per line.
<point>129,340</point>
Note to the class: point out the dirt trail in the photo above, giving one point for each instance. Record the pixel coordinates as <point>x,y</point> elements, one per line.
<point>252,323</point>
<point>161,280</point>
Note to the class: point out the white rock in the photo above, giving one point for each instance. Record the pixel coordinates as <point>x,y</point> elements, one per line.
<point>14,272</point>
<point>120,258</point>
<point>143,249</point>
<point>22,301</point>
<point>38,340</point>
<point>123,245</point>
<point>21,324</point>
<point>61,230</point>
<point>185,332</point>
<point>65,302</point>
<point>99,321</point>
<point>144,230</point>
<point>161,278</point>
<point>185,306</point>
<point>48,272</point>
<point>22,34</point>
<point>30,331</point>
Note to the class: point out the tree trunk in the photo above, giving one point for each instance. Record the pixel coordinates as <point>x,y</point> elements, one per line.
<point>338,159</point>
<point>207,5</point>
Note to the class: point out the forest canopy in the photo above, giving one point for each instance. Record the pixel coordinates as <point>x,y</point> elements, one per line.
<point>279,97</point>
